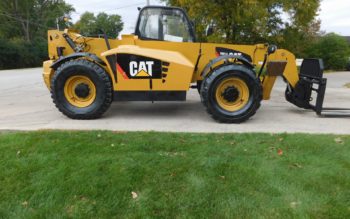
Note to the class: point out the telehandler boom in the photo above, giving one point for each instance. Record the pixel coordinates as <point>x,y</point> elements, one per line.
<point>162,60</point>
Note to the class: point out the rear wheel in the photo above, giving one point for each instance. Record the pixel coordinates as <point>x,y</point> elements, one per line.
<point>81,89</point>
<point>231,94</point>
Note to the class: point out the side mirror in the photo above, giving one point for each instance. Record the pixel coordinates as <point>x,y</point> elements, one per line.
<point>210,30</point>
<point>272,49</point>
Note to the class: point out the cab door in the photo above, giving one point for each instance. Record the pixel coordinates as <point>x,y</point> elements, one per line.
<point>169,29</point>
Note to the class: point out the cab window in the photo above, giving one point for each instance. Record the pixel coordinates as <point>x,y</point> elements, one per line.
<point>164,24</point>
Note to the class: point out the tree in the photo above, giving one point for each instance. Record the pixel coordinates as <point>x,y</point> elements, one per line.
<point>247,22</point>
<point>30,18</point>
<point>23,30</point>
<point>333,49</point>
<point>89,24</point>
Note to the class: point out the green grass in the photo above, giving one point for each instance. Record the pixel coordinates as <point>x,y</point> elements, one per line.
<point>93,174</point>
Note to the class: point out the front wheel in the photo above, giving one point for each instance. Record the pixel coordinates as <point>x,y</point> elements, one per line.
<point>231,94</point>
<point>81,89</point>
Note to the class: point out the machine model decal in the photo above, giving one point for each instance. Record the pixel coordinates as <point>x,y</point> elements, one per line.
<point>138,67</point>
<point>224,51</point>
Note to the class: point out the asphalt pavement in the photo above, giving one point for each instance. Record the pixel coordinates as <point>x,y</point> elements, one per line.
<point>25,104</point>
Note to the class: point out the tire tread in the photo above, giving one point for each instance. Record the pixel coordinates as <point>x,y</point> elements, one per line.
<point>101,73</point>
<point>208,82</point>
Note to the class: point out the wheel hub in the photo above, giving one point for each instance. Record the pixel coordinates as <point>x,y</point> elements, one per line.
<point>231,94</point>
<point>82,90</point>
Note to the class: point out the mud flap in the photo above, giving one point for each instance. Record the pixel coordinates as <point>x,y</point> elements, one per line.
<point>311,81</point>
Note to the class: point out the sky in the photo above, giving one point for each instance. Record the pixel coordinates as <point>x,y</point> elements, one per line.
<point>334,14</point>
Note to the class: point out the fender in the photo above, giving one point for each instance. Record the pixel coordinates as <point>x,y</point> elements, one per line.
<point>210,65</point>
<point>90,56</point>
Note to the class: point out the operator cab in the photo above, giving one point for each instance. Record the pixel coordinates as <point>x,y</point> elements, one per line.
<point>164,24</point>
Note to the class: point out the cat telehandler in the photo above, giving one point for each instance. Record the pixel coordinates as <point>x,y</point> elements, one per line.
<point>162,60</point>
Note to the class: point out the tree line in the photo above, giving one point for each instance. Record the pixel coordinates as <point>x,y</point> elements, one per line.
<point>292,25</point>
<point>24,25</point>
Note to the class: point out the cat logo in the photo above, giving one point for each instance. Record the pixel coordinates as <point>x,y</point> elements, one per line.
<point>230,53</point>
<point>225,51</point>
<point>141,68</point>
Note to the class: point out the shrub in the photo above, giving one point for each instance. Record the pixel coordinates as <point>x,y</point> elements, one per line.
<point>333,49</point>
<point>348,66</point>
<point>17,53</point>
<point>8,55</point>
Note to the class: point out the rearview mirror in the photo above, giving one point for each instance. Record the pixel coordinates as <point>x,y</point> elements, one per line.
<point>272,49</point>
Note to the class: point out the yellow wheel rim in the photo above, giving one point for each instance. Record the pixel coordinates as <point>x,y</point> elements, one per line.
<point>80,91</point>
<point>232,94</point>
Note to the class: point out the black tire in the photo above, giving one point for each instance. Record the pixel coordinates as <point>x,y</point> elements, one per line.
<point>101,80</point>
<point>212,81</point>
<point>199,86</point>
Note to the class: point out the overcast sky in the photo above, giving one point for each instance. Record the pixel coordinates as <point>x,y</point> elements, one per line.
<point>335,14</point>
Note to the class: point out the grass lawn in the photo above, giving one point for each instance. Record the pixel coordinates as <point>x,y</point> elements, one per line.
<point>159,175</point>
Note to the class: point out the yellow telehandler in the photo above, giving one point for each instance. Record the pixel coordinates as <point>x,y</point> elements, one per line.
<point>162,60</point>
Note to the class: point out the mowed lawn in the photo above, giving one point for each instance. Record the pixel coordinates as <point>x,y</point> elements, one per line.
<point>51,174</point>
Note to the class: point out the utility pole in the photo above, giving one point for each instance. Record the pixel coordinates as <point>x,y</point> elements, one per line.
<point>148,3</point>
